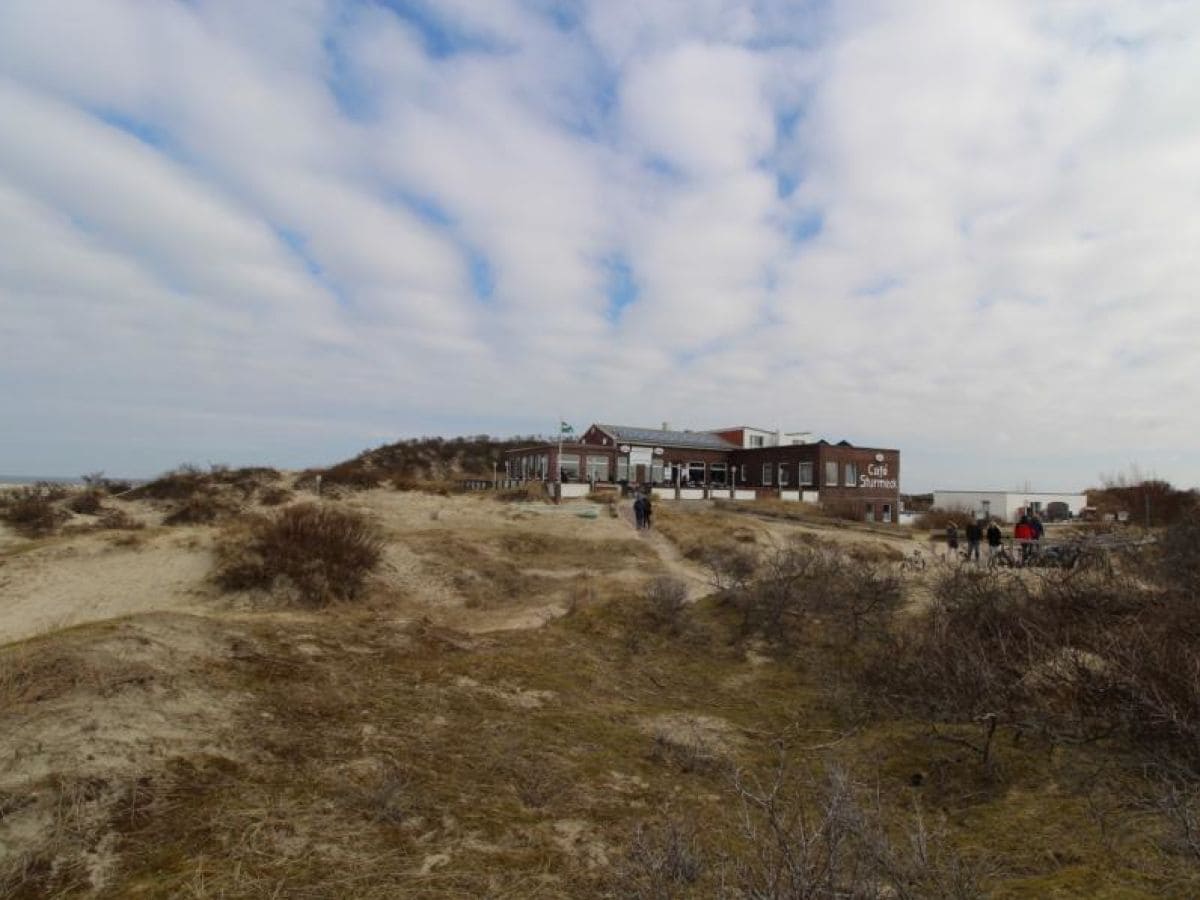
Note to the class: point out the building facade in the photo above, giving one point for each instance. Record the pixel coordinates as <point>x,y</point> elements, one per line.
<point>1008,506</point>
<point>863,482</point>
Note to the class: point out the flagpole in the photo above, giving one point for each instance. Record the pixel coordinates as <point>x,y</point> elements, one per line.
<point>558,461</point>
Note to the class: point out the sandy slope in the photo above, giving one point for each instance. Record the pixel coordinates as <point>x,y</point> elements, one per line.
<point>72,580</point>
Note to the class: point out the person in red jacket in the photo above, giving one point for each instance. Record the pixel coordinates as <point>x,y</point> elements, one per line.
<point>1024,535</point>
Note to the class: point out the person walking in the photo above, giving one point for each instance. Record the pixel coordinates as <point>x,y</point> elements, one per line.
<point>647,511</point>
<point>974,537</point>
<point>639,510</point>
<point>993,538</point>
<point>951,541</point>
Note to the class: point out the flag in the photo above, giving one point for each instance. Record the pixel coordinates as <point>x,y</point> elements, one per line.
<point>564,428</point>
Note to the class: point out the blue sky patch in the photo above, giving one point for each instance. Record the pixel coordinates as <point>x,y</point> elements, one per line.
<point>620,287</point>
<point>147,132</point>
<point>441,37</point>
<point>483,276</point>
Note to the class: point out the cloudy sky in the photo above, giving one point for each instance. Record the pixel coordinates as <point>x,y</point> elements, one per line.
<point>282,232</point>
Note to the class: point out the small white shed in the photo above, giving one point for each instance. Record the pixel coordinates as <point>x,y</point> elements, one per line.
<point>1007,506</point>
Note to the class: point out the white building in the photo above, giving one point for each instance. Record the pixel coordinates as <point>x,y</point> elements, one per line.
<point>1007,506</point>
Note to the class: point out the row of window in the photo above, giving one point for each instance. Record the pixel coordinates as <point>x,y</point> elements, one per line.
<point>595,468</point>
<point>804,474</point>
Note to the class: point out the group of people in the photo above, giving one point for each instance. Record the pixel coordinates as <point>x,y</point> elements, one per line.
<point>1027,532</point>
<point>642,509</point>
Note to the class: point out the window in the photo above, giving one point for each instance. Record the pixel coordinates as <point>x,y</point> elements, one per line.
<point>767,473</point>
<point>831,473</point>
<point>716,473</point>
<point>597,468</point>
<point>870,517</point>
<point>622,468</point>
<point>569,467</point>
<point>805,473</point>
<point>783,474</point>
<point>851,474</point>
<point>656,471</point>
<point>756,440</point>
<point>694,473</point>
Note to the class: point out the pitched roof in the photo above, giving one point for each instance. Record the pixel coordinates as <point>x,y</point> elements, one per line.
<point>695,440</point>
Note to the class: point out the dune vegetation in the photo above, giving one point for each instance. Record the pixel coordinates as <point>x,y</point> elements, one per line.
<point>381,693</point>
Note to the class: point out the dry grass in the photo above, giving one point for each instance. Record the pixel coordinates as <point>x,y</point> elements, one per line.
<point>378,759</point>
<point>695,532</point>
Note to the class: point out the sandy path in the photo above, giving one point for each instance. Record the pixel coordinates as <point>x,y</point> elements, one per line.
<point>690,574</point>
<point>87,579</point>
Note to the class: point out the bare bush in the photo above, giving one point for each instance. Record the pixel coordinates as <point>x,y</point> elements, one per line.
<point>1180,553</point>
<point>178,484</point>
<point>1077,656</point>
<point>730,566</point>
<point>661,861</point>
<point>33,511</point>
<point>87,502</point>
<point>666,599</point>
<point>802,582</point>
<point>201,508</point>
<point>322,554</point>
<point>826,837</point>
<point>275,496</point>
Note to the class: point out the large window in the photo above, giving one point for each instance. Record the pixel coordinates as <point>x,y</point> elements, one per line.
<point>851,474</point>
<point>597,468</point>
<point>756,440</point>
<point>622,468</point>
<point>805,473</point>
<point>767,473</point>
<point>831,473</point>
<point>694,473</point>
<point>569,467</point>
<point>783,474</point>
<point>716,473</point>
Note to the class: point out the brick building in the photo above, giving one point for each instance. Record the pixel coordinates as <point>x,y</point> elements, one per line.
<point>740,462</point>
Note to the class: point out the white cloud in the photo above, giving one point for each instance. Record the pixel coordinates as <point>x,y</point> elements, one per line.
<point>961,229</point>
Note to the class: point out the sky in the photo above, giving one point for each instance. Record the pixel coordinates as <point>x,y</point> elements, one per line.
<point>280,233</point>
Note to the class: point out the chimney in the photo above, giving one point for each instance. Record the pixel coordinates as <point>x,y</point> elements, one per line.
<point>666,426</point>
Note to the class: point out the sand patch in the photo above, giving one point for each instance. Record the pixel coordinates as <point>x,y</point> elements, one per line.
<point>87,579</point>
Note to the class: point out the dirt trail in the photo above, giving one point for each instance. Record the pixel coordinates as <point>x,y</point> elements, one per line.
<point>689,573</point>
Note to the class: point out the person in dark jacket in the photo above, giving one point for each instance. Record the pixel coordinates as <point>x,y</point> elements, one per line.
<point>974,537</point>
<point>994,538</point>
<point>647,510</point>
<point>639,510</point>
<point>951,541</point>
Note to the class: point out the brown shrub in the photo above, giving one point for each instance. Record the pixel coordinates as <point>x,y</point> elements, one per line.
<point>201,508</point>
<point>1179,550</point>
<point>87,503</point>
<point>321,554</point>
<point>178,484</point>
<point>32,511</point>
<point>275,496</point>
<point>666,599</point>
<point>1076,656</point>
